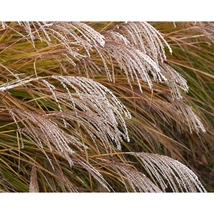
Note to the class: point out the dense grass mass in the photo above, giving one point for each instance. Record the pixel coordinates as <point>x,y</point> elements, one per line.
<point>106,106</point>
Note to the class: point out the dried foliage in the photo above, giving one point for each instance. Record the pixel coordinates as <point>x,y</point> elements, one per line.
<point>81,101</point>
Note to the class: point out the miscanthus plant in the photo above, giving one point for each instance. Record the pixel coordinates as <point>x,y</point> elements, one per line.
<point>94,107</point>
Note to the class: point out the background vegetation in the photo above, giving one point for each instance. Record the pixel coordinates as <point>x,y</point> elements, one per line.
<point>106,106</point>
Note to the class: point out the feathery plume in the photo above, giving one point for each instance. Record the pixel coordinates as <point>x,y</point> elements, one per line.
<point>137,180</point>
<point>101,103</point>
<point>174,81</point>
<point>167,171</point>
<point>145,38</point>
<point>191,119</point>
<point>103,114</point>
<point>44,131</point>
